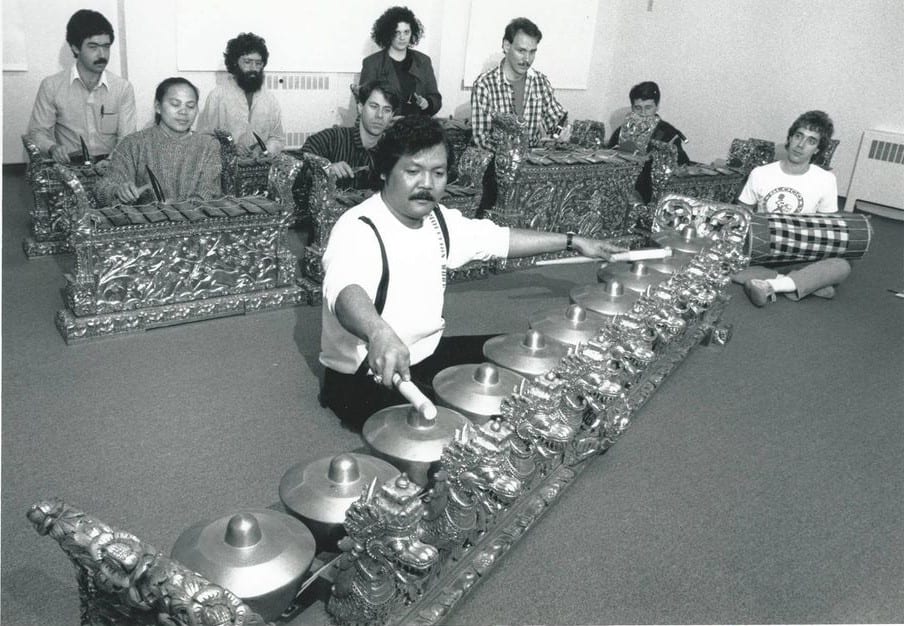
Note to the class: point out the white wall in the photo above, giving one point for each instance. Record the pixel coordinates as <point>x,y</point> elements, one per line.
<point>727,68</point>
<point>747,68</point>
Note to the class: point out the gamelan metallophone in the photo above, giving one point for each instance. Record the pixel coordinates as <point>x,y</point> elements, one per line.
<point>583,190</point>
<point>137,267</point>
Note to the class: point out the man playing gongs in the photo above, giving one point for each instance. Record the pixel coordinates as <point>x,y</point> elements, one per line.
<point>385,275</point>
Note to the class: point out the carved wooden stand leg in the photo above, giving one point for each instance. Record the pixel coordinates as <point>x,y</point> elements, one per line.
<point>124,581</point>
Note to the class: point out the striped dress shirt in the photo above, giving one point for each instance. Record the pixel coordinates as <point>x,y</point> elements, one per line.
<point>343,143</point>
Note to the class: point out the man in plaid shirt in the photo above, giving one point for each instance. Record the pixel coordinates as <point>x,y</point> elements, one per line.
<point>514,87</point>
<point>797,188</point>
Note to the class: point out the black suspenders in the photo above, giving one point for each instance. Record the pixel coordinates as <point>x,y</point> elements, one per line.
<point>383,286</point>
<point>380,300</point>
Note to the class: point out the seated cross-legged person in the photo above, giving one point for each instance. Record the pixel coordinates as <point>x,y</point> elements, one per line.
<point>794,186</point>
<point>186,164</point>
<point>643,124</point>
<point>350,149</point>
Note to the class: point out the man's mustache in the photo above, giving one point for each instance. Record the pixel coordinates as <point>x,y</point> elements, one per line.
<point>421,195</point>
<point>100,62</point>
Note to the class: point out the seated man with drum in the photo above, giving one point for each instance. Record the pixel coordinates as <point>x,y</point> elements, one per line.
<point>350,148</point>
<point>795,187</point>
<point>385,275</point>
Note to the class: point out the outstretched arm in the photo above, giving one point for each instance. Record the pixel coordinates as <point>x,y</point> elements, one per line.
<point>386,353</point>
<point>526,242</point>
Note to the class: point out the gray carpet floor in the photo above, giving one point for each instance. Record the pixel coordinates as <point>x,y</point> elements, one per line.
<point>763,483</point>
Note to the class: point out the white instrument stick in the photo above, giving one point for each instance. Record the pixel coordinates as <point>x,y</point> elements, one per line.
<point>569,260</point>
<point>414,396</point>
<point>641,255</point>
<point>615,257</point>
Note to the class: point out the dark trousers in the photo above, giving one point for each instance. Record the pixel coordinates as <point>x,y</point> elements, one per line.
<point>355,397</point>
<point>490,190</point>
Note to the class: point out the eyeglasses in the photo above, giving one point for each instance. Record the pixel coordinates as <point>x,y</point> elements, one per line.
<point>251,63</point>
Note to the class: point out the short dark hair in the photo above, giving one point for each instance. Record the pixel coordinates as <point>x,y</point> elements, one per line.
<point>384,28</point>
<point>164,86</point>
<point>382,86</point>
<point>525,26</point>
<point>814,120</point>
<point>86,23</point>
<point>242,45</point>
<point>409,135</point>
<point>647,90</point>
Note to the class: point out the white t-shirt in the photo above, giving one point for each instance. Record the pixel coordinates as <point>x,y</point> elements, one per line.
<point>771,190</point>
<point>414,299</point>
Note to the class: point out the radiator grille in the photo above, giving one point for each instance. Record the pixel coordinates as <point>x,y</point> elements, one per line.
<point>886,151</point>
<point>877,184</point>
<point>296,139</point>
<point>297,82</point>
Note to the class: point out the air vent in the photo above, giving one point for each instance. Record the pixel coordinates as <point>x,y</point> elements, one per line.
<point>877,181</point>
<point>296,139</point>
<point>298,82</point>
<point>886,151</point>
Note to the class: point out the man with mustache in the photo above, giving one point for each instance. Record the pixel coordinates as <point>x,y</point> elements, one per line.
<point>241,105</point>
<point>385,275</point>
<point>515,87</point>
<point>350,148</point>
<point>84,102</point>
<point>794,186</point>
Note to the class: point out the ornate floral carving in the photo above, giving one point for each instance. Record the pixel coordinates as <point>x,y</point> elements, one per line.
<point>384,563</point>
<point>123,580</point>
<point>54,209</point>
<point>510,145</point>
<point>172,262</point>
<point>242,175</point>
<point>588,134</point>
<point>570,194</point>
<point>747,154</point>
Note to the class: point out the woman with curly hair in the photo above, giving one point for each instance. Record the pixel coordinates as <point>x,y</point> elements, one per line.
<point>408,71</point>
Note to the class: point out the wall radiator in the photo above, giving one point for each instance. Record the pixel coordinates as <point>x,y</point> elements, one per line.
<point>311,102</point>
<point>877,182</point>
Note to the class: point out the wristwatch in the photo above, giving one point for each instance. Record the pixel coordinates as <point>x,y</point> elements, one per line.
<point>569,241</point>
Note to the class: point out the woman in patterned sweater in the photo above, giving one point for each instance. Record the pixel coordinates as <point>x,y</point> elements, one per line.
<point>186,164</point>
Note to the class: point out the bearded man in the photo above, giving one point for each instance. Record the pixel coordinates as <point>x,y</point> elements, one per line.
<point>241,105</point>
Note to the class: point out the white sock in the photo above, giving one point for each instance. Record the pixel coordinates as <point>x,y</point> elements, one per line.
<point>782,284</point>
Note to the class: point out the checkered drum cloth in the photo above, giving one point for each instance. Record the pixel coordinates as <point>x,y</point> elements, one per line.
<point>775,238</point>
